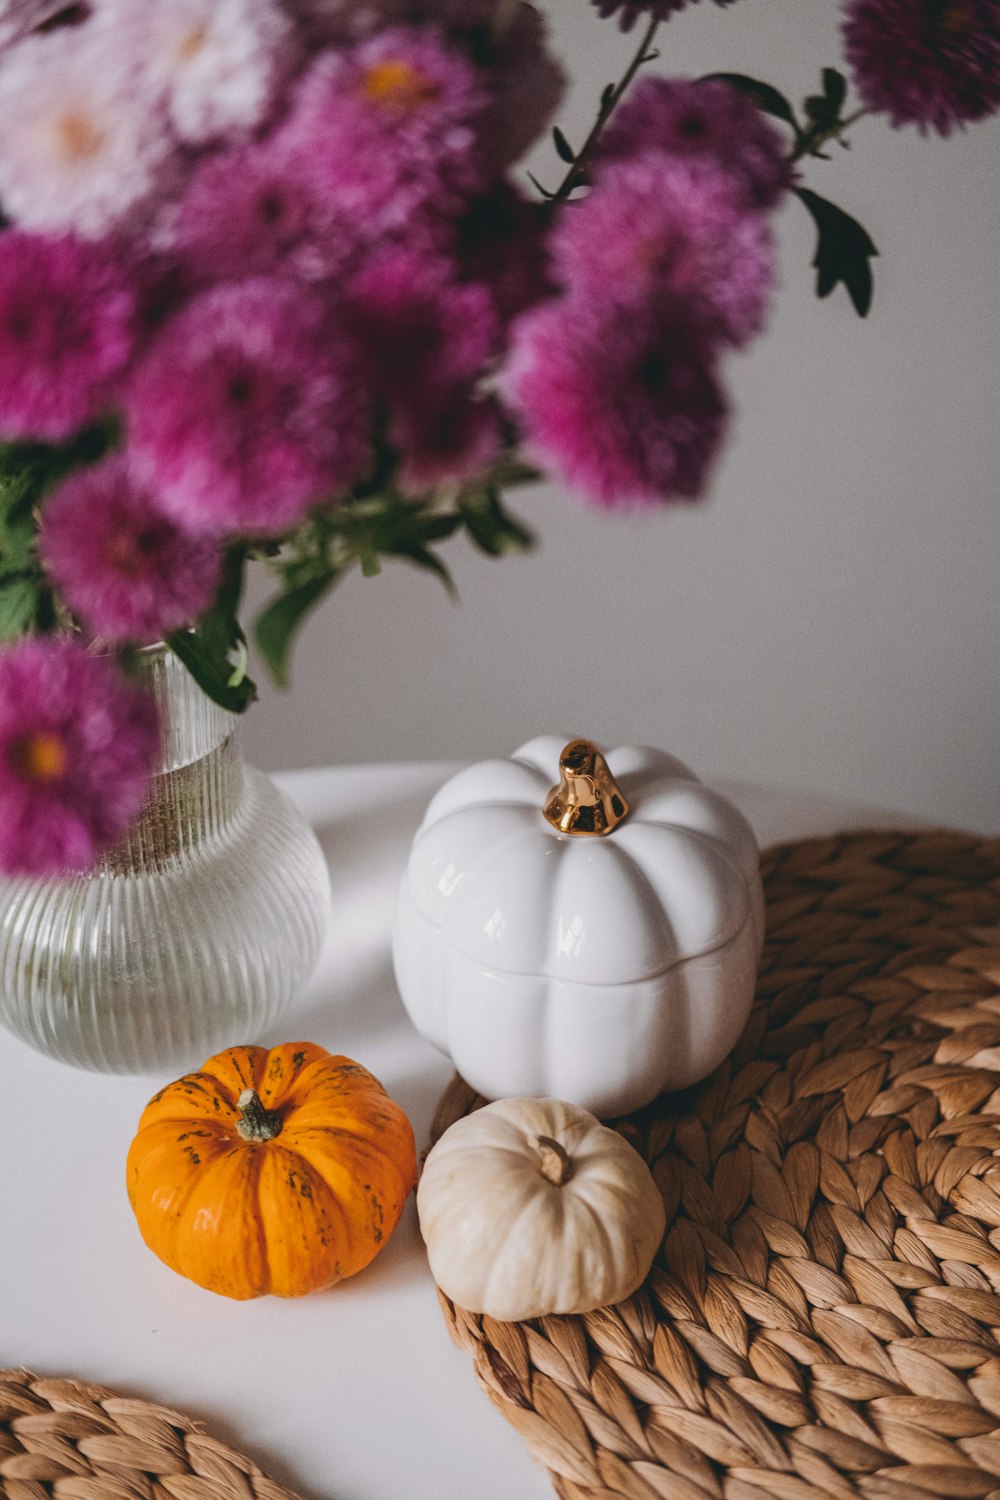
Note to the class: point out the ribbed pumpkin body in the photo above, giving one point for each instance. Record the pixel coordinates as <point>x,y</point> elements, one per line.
<point>600,970</point>
<point>287,1215</point>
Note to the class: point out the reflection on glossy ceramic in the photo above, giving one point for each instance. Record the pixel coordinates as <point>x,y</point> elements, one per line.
<point>597,970</point>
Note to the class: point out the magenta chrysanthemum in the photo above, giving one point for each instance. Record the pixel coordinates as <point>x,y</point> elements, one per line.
<point>247,410</point>
<point>703,120</point>
<point>255,210</point>
<point>930,63</point>
<point>66,333</point>
<point>623,410</point>
<point>78,744</point>
<point>324,23</point>
<point>631,10</point>
<point>502,242</point>
<point>390,128</point>
<point>668,233</point>
<point>429,341</point>
<point>126,571</point>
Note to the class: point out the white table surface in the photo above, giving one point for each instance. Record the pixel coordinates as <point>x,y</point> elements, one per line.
<point>354,1394</point>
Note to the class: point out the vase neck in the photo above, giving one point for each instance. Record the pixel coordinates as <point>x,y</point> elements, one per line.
<point>198,791</point>
<point>192,726</point>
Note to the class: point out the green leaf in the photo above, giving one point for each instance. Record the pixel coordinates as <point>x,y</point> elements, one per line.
<point>214,652</point>
<point>844,251</point>
<point>563,148</point>
<point>763,95</point>
<point>493,529</point>
<point>213,674</point>
<point>277,628</point>
<point>835,89</point>
<point>423,557</point>
<point>220,627</point>
<point>19,601</point>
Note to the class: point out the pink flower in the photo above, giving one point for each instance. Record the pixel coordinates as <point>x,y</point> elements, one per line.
<point>255,210</point>
<point>703,120</point>
<point>66,333</point>
<point>248,410</point>
<point>78,744</point>
<point>626,410</point>
<point>656,231</point>
<point>429,340</point>
<point>126,571</point>
<point>325,23</point>
<point>930,63</point>
<point>501,242</point>
<point>391,128</point>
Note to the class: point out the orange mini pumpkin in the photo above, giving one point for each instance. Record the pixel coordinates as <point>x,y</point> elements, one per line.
<point>279,1171</point>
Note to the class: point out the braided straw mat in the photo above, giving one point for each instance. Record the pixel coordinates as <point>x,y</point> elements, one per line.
<point>80,1442</point>
<point>823,1319</point>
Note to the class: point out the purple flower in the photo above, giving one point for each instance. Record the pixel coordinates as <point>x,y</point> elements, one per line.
<point>78,744</point>
<point>429,341</point>
<point>126,571</point>
<point>502,243</point>
<point>930,63</point>
<point>631,10</point>
<point>248,410</point>
<point>703,120</point>
<point>325,23</point>
<point>255,210</point>
<point>626,410</point>
<point>66,333</point>
<point>657,231</point>
<point>390,129</point>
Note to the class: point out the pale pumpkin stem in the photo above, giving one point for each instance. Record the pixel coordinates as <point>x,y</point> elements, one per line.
<point>556,1165</point>
<point>257,1123</point>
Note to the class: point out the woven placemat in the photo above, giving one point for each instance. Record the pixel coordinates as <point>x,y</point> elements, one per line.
<point>74,1441</point>
<point>823,1318</point>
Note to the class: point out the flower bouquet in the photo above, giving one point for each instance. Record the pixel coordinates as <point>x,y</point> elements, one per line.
<point>273,289</point>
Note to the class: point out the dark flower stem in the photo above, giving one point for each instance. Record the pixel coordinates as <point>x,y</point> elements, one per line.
<point>813,141</point>
<point>609,104</point>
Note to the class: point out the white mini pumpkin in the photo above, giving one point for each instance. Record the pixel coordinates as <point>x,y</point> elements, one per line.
<point>597,943</point>
<point>531,1207</point>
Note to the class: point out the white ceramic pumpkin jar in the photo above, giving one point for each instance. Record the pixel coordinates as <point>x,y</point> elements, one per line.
<point>596,941</point>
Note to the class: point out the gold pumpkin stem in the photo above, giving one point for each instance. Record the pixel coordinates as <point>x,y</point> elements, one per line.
<point>588,800</point>
<point>557,1164</point>
<point>257,1123</point>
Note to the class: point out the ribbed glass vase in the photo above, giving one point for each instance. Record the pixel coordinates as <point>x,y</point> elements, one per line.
<point>193,934</point>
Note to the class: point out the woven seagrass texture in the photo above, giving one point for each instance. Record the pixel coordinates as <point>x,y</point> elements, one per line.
<point>823,1319</point>
<point>74,1441</point>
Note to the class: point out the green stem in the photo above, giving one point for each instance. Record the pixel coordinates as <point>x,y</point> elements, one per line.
<point>608,106</point>
<point>814,140</point>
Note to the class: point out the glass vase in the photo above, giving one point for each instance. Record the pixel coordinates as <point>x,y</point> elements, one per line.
<point>193,934</point>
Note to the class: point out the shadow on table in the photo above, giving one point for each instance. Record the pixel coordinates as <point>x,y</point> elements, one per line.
<point>366,851</point>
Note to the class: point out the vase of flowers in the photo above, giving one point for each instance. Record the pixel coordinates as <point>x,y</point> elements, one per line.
<point>195,927</point>
<point>276,292</point>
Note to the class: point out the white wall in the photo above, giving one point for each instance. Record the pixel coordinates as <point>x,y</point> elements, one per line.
<point>831,618</point>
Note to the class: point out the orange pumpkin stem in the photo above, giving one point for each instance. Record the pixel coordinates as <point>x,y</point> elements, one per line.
<point>257,1123</point>
<point>557,1164</point>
